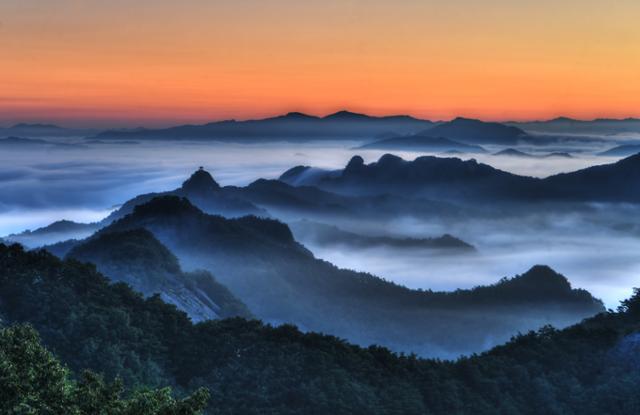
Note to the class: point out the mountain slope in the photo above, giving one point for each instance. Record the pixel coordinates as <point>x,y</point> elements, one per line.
<point>140,260</point>
<point>426,176</point>
<point>253,369</point>
<point>281,281</point>
<point>455,179</point>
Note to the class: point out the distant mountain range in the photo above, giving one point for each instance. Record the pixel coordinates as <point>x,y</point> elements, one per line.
<point>470,181</point>
<point>345,125</point>
<point>348,125</point>
<point>44,130</point>
<point>565,125</point>
<point>292,126</point>
<point>19,143</point>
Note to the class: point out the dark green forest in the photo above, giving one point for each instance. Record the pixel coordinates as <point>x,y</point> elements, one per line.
<point>250,368</point>
<point>33,381</point>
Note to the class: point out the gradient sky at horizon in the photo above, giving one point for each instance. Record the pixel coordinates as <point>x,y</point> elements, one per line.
<point>99,63</point>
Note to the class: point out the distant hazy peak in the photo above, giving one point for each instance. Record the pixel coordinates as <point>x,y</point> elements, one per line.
<point>42,126</point>
<point>294,115</point>
<point>200,181</point>
<point>346,115</point>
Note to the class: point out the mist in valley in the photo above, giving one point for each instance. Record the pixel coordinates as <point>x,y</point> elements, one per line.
<point>594,246</point>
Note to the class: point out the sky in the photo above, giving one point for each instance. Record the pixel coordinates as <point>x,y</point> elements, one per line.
<point>158,62</point>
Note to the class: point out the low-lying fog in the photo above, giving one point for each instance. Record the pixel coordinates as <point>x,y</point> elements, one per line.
<point>39,186</point>
<point>600,257</point>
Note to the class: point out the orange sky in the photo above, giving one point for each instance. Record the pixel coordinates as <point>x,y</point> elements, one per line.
<point>157,62</point>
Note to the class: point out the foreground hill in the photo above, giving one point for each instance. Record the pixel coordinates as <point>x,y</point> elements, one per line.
<point>251,368</point>
<point>137,258</point>
<point>455,179</point>
<point>281,281</point>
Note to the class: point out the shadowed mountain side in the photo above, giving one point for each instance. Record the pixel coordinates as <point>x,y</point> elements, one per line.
<point>323,234</point>
<point>137,258</point>
<point>455,179</point>
<point>310,202</point>
<point>293,126</point>
<point>423,143</point>
<point>251,368</point>
<point>281,281</point>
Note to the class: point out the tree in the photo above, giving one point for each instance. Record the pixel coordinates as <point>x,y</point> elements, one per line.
<point>33,381</point>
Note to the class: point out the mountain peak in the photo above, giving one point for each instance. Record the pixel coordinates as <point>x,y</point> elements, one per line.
<point>346,115</point>
<point>563,119</point>
<point>200,181</point>
<point>295,115</point>
<point>389,159</point>
<point>464,119</point>
<point>355,163</point>
<point>166,206</point>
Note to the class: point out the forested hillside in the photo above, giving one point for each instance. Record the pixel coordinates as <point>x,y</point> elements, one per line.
<point>33,381</point>
<point>251,368</point>
<point>139,259</point>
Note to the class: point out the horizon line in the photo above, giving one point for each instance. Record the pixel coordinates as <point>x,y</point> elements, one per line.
<point>178,122</point>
